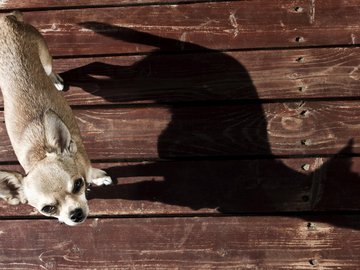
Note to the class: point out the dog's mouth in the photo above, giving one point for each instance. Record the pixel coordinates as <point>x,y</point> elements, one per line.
<point>69,222</point>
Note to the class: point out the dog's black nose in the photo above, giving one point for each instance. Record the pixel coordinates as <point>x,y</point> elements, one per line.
<point>77,215</point>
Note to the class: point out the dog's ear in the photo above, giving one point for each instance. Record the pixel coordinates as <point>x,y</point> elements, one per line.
<point>57,135</point>
<point>11,187</point>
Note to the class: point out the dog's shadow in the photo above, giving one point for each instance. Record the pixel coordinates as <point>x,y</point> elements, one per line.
<point>224,182</point>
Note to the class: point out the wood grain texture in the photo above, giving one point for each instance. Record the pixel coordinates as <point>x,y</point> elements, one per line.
<point>186,243</point>
<point>286,129</point>
<point>39,4</point>
<point>229,186</point>
<point>264,75</point>
<point>206,145</point>
<point>218,25</point>
<point>198,187</point>
<point>215,187</point>
<point>279,128</point>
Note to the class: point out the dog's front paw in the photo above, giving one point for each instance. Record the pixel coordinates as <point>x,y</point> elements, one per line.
<point>12,200</point>
<point>106,180</point>
<point>99,177</point>
<point>15,200</point>
<point>58,81</point>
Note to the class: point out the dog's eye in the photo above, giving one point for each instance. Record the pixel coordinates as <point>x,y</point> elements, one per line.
<point>49,209</point>
<point>78,185</point>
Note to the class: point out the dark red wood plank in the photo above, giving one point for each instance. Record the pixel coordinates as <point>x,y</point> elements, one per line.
<point>294,128</point>
<point>214,187</point>
<point>189,187</point>
<point>186,243</point>
<point>286,74</point>
<point>233,130</point>
<point>218,25</point>
<point>35,4</point>
<point>229,186</point>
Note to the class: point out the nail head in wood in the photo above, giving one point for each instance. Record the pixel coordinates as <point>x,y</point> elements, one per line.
<point>299,39</point>
<point>314,262</point>
<point>300,59</point>
<point>311,226</point>
<point>304,113</point>
<point>302,88</point>
<point>305,198</point>
<point>306,142</point>
<point>306,167</point>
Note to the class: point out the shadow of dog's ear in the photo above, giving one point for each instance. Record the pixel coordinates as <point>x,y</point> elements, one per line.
<point>11,187</point>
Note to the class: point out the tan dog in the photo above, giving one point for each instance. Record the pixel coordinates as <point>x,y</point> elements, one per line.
<point>42,129</point>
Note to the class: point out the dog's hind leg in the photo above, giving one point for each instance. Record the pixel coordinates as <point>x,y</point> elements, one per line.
<point>57,80</point>
<point>46,61</point>
<point>43,50</point>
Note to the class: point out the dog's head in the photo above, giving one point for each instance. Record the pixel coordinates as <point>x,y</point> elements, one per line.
<point>55,185</point>
<point>56,188</point>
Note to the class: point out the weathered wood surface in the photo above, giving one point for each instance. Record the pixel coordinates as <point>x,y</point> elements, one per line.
<point>205,113</point>
<point>50,4</point>
<point>217,25</point>
<point>284,129</point>
<point>229,186</point>
<point>186,243</point>
<point>213,187</point>
<point>189,187</point>
<point>253,75</point>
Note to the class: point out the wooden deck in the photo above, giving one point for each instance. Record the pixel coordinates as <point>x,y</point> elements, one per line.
<point>231,127</point>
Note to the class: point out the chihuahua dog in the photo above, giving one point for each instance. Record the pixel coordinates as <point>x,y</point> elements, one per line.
<point>42,129</point>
